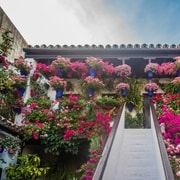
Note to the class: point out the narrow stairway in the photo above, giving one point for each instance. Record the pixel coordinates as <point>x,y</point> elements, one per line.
<point>134,154</point>
<point>136,158</point>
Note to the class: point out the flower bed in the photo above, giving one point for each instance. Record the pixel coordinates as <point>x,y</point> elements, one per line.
<point>168,110</point>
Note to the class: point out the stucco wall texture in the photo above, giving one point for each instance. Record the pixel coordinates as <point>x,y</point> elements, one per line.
<point>18,41</point>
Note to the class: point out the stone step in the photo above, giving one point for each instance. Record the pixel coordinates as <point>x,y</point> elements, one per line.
<point>136,158</point>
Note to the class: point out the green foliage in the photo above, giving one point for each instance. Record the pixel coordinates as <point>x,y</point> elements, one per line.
<point>27,167</point>
<point>172,88</point>
<point>134,122</point>
<point>42,101</point>
<point>6,44</point>
<point>11,144</point>
<point>134,95</point>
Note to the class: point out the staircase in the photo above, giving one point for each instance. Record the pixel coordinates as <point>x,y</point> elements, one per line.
<point>134,154</point>
<point>136,158</point>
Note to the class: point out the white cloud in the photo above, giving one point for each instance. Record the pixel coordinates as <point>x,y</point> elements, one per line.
<point>67,22</point>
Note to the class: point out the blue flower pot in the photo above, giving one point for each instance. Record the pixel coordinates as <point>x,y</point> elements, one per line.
<point>23,73</point>
<point>92,72</point>
<point>124,92</point>
<point>17,110</point>
<point>150,93</point>
<point>149,74</point>
<point>59,93</point>
<point>130,107</point>
<point>21,91</point>
<point>90,92</point>
<point>60,73</point>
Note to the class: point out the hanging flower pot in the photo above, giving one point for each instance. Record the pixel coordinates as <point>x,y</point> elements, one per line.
<point>150,93</point>
<point>17,110</point>
<point>90,92</point>
<point>23,73</point>
<point>59,93</point>
<point>21,91</point>
<point>92,72</point>
<point>149,74</point>
<point>60,73</point>
<point>124,92</point>
<point>130,107</point>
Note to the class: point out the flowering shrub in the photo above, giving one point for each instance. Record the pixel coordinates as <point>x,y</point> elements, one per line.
<point>22,64</point>
<point>123,70</point>
<point>151,67</point>
<point>106,69</point>
<point>57,82</point>
<point>60,63</point>
<point>167,68</point>
<point>168,106</point>
<point>122,86</point>
<point>19,81</point>
<point>43,69</point>
<point>151,87</point>
<point>91,82</point>
<point>93,63</point>
<point>77,69</point>
<point>10,144</point>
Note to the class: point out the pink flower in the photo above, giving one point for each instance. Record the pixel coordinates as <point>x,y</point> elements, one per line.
<point>122,86</point>
<point>123,70</point>
<point>57,82</point>
<point>151,87</point>
<point>151,67</point>
<point>178,174</point>
<point>68,134</point>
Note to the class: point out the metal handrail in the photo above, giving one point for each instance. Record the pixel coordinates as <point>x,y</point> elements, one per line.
<point>103,161</point>
<point>165,161</point>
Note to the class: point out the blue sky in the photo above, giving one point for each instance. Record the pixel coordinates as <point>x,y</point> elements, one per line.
<point>96,21</point>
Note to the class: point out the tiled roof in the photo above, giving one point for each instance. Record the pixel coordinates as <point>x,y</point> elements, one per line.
<point>108,46</point>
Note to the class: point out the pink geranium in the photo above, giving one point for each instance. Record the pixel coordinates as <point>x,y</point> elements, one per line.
<point>153,67</point>
<point>123,70</point>
<point>77,69</point>
<point>57,82</point>
<point>122,86</point>
<point>167,68</point>
<point>151,87</point>
<point>60,63</point>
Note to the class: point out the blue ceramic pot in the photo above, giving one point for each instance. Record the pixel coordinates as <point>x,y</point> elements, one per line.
<point>149,74</point>
<point>21,91</point>
<point>92,72</point>
<point>90,92</point>
<point>59,93</point>
<point>124,92</point>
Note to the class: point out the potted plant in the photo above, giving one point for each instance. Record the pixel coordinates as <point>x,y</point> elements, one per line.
<point>77,69</point>
<point>150,88</point>
<point>60,65</point>
<point>167,68</point>
<point>58,84</point>
<point>123,70</point>
<point>22,65</point>
<point>150,69</point>
<point>43,69</point>
<point>20,82</point>
<point>91,84</point>
<point>123,87</point>
<point>134,98</point>
<point>93,65</point>
<point>10,144</point>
